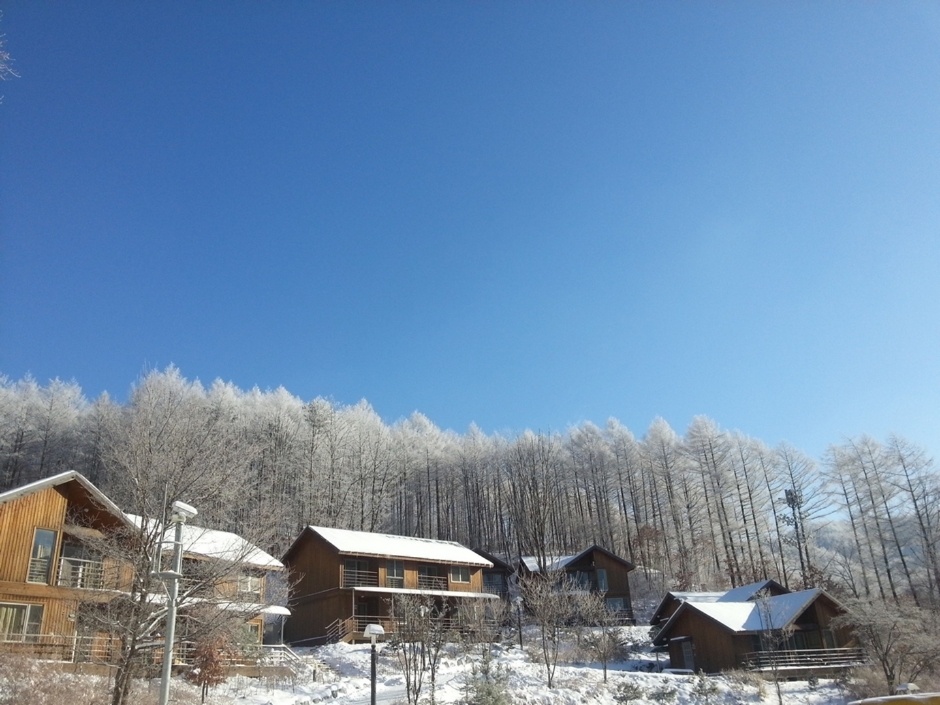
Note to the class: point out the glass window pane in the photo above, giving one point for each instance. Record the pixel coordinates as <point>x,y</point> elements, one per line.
<point>12,620</point>
<point>34,623</point>
<point>40,563</point>
<point>602,580</point>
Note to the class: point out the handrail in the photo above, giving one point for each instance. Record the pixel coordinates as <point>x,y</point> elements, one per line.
<point>804,658</point>
<point>432,582</point>
<point>81,573</point>
<point>360,578</point>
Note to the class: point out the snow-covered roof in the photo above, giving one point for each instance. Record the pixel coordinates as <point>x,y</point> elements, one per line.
<point>531,563</point>
<point>365,543</point>
<point>746,592</point>
<point>553,563</point>
<point>200,542</point>
<point>751,616</point>
<point>698,596</point>
<point>223,545</point>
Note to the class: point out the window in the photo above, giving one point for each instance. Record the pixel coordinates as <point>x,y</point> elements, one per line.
<point>459,574</point>
<point>40,561</point>
<point>615,604</point>
<point>19,622</point>
<point>494,583</point>
<point>249,586</point>
<point>80,566</point>
<point>601,580</point>
<point>254,633</point>
<point>395,574</point>
<point>430,578</point>
<point>688,656</point>
<point>358,574</point>
<point>582,580</point>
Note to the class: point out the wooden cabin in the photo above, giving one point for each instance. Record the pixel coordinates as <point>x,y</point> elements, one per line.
<point>595,569</point>
<point>343,580</point>
<point>224,569</point>
<point>671,602</point>
<point>789,633</point>
<point>499,578</point>
<point>59,576</point>
<point>54,575</point>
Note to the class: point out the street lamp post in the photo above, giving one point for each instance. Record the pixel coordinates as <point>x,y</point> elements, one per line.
<point>182,512</point>
<point>372,631</point>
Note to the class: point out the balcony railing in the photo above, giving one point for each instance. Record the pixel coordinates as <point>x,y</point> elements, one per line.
<point>432,582</point>
<point>38,571</point>
<point>353,628</point>
<point>360,578</point>
<point>81,573</point>
<point>394,582</point>
<point>495,589</point>
<point>56,647</point>
<point>796,659</point>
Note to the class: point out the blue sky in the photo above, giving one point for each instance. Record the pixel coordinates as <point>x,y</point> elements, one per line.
<point>523,215</point>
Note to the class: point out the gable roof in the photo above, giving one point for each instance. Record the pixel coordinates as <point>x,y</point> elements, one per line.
<point>497,562</point>
<point>742,593</point>
<point>365,543</point>
<point>741,617</point>
<point>200,542</point>
<point>531,563</point>
<point>680,597</point>
<point>224,546</point>
<point>749,616</point>
<point>82,488</point>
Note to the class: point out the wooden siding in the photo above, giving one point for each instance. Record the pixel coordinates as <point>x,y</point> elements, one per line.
<point>317,595</point>
<point>713,648</point>
<point>58,614</point>
<point>310,619</point>
<point>618,580</point>
<point>19,520</point>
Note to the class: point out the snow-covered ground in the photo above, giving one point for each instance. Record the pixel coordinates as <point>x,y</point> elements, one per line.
<point>348,681</point>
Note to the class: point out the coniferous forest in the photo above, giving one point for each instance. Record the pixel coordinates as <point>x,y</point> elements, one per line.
<point>704,509</point>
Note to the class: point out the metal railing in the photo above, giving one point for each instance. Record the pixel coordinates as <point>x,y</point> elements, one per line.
<point>354,627</point>
<point>394,582</point>
<point>58,647</point>
<point>432,582</point>
<point>81,573</point>
<point>360,578</point>
<point>803,659</point>
<point>495,589</point>
<point>38,571</point>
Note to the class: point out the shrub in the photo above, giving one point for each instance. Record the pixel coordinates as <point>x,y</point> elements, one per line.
<point>704,688</point>
<point>627,692</point>
<point>24,681</point>
<point>663,694</point>
<point>487,686</point>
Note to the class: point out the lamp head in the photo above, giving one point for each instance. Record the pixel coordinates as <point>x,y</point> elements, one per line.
<point>373,631</point>
<point>183,512</point>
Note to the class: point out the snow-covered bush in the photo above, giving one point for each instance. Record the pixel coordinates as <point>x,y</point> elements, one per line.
<point>628,692</point>
<point>24,681</point>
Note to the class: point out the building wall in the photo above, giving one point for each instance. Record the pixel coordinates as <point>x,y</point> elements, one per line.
<point>317,598</point>
<point>713,648</point>
<point>618,581</point>
<point>313,566</point>
<point>310,618</point>
<point>18,522</point>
